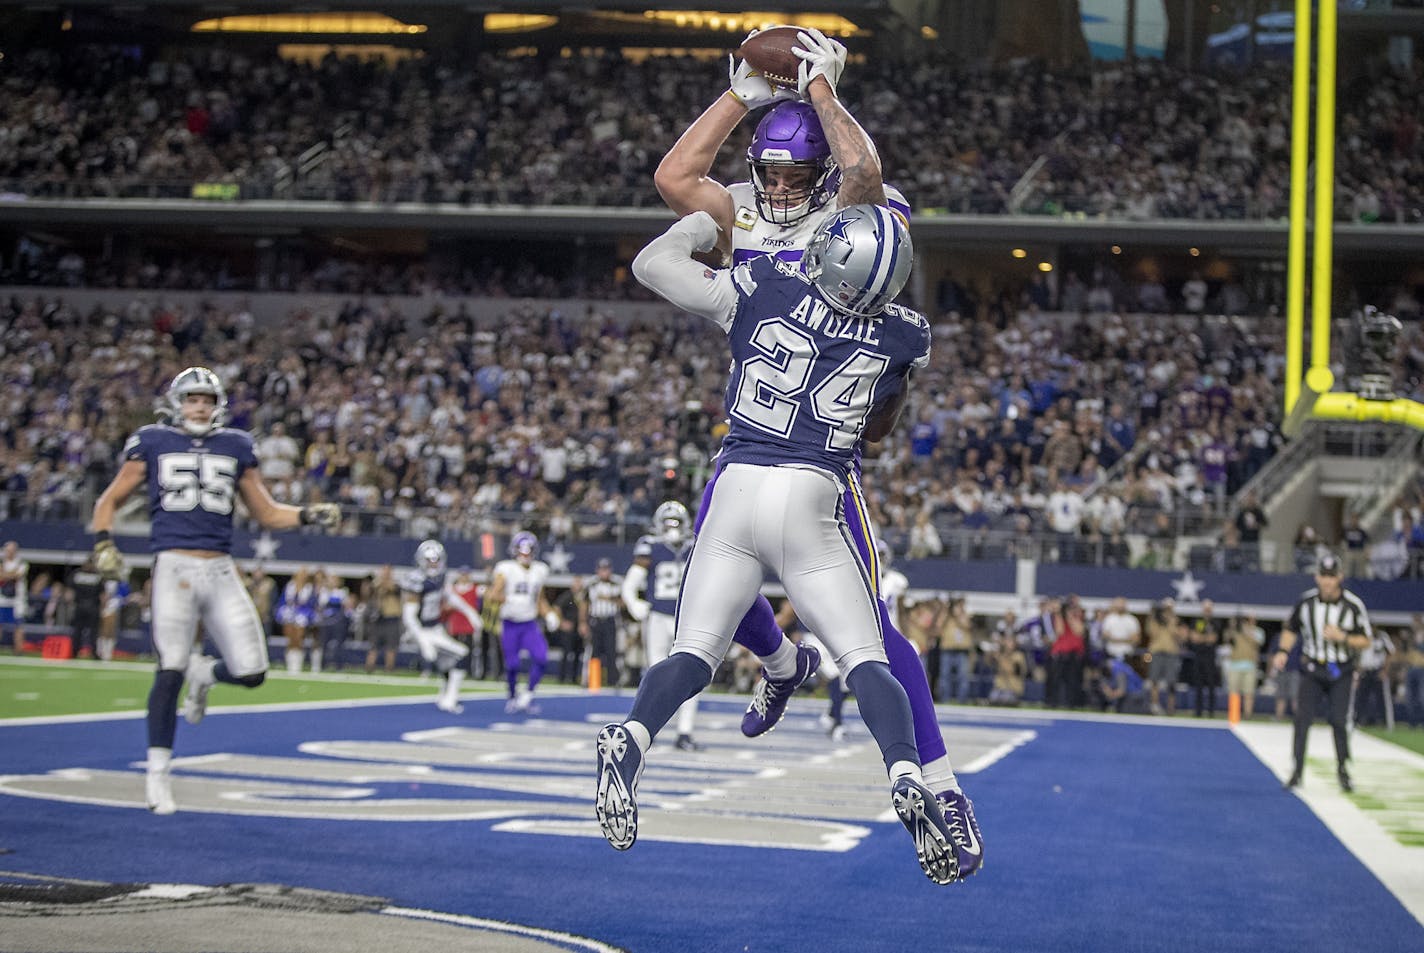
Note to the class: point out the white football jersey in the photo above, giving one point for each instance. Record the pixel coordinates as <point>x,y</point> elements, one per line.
<point>753,235</point>
<point>893,585</point>
<point>522,585</point>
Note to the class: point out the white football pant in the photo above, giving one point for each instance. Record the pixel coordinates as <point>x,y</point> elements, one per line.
<point>433,639</point>
<point>787,520</point>
<point>188,590</point>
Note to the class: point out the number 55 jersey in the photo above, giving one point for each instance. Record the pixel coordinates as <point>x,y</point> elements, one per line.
<point>192,483</point>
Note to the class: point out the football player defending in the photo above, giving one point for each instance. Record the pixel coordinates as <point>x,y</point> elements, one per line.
<point>845,352</point>
<point>427,590</point>
<point>194,468</point>
<point>518,589</point>
<point>800,156</point>
<point>659,561</point>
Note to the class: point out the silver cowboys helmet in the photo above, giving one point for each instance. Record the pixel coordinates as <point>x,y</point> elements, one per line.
<point>860,258</point>
<point>430,558</point>
<point>196,380</point>
<point>671,522</point>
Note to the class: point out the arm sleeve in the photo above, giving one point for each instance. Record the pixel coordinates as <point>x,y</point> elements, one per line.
<point>666,267</point>
<point>410,615</point>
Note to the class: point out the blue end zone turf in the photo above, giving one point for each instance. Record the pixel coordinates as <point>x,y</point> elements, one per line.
<point>1099,836</point>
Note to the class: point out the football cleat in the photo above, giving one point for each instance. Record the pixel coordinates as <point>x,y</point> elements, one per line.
<point>770,698</point>
<point>512,707</point>
<point>920,813</point>
<point>200,678</point>
<point>158,790</point>
<point>685,743</point>
<point>452,708</point>
<point>620,765</point>
<point>963,831</point>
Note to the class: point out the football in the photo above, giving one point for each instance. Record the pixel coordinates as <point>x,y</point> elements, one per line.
<point>769,53</point>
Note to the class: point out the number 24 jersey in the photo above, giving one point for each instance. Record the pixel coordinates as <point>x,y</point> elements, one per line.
<point>806,376</point>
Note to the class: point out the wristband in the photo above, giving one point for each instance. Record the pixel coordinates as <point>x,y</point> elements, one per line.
<point>101,536</point>
<point>304,516</point>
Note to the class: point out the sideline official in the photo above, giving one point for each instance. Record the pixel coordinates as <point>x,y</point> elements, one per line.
<point>1333,627</point>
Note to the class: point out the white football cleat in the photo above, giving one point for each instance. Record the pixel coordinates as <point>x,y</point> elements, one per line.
<point>158,789</point>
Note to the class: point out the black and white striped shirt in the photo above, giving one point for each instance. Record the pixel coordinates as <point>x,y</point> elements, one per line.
<point>1312,614</point>
<point>605,598</point>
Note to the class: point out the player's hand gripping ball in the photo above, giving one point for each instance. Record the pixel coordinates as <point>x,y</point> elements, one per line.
<point>769,53</point>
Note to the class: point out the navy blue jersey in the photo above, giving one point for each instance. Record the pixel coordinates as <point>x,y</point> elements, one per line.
<point>805,376</point>
<point>431,592</point>
<point>192,482</point>
<point>666,565</point>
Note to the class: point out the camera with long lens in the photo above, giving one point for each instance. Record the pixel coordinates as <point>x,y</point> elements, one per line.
<point>1377,339</point>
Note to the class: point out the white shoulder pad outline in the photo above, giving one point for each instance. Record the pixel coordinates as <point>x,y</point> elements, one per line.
<point>742,278</point>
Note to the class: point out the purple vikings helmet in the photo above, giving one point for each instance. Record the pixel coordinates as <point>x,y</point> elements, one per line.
<point>524,543</point>
<point>790,135</point>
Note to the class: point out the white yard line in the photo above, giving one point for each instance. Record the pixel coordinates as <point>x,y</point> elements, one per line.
<point>1399,867</point>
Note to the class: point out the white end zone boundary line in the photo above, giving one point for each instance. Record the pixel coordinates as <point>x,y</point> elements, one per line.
<point>1399,867</point>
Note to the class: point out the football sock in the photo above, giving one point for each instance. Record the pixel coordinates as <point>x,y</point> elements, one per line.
<point>163,708</point>
<point>886,712</point>
<point>781,664</point>
<point>909,671</point>
<point>940,776</point>
<point>159,759</point>
<point>665,686</point>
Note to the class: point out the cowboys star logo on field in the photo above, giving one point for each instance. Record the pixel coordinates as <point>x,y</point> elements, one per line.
<point>534,777</point>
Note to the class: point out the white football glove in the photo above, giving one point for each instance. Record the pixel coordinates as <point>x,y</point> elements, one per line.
<point>325,515</point>
<point>820,56</point>
<point>752,89</point>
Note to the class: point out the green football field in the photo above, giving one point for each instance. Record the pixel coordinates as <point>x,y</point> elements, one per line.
<point>45,688</point>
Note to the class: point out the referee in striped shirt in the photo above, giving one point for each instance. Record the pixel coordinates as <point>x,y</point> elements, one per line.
<point>605,602</point>
<point>1333,627</point>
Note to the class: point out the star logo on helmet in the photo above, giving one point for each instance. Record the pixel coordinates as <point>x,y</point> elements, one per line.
<point>837,228</point>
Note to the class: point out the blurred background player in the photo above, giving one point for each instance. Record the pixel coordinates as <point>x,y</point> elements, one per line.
<point>14,594</point>
<point>517,588</point>
<point>802,153</point>
<point>428,591</point>
<point>194,467</point>
<point>605,608</point>
<point>659,561</point>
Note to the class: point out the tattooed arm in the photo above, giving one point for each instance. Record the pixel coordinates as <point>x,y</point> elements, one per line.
<point>850,146</point>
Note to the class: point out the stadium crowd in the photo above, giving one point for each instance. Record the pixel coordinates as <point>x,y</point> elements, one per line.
<point>1140,141</point>
<point>1081,430</point>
